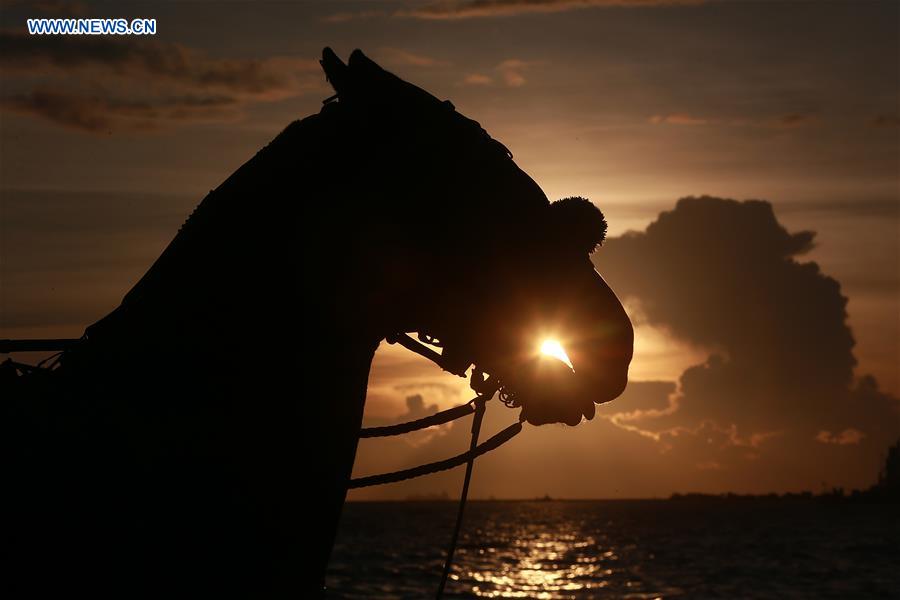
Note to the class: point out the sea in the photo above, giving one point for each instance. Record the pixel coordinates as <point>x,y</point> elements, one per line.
<point>640,549</point>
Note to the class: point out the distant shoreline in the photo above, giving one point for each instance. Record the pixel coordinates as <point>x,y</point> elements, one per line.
<point>855,496</point>
<point>885,491</point>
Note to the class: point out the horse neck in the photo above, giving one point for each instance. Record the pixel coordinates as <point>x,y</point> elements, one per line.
<point>230,272</point>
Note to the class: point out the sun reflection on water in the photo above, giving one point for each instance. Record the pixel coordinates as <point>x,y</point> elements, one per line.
<point>547,566</point>
<point>582,550</point>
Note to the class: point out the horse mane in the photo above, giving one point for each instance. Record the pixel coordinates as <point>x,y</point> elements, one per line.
<point>424,144</point>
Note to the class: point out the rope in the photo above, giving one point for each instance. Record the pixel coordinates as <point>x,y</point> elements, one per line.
<point>445,416</point>
<point>441,465</point>
<point>478,406</point>
<point>473,445</point>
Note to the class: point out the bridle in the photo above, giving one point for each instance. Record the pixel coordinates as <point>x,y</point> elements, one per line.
<point>485,388</point>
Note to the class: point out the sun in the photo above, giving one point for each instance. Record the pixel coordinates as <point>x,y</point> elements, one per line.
<point>554,348</point>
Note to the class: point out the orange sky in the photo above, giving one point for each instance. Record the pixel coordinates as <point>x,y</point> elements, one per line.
<point>107,144</point>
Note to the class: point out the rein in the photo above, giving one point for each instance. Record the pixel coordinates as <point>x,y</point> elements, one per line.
<point>476,405</point>
<point>486,390</point>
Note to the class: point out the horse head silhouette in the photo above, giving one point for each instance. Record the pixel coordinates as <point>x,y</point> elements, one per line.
<point>226,391</point>
<point>492,266</point>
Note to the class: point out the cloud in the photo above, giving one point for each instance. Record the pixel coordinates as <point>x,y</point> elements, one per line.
<point>104,83</point>
<point>725,275</point>
<point>678,119</point>
<point>722,273</point>
<point>477,79</point>
<point>397,373</point>
<point>345,16</point>
<point>406,58</point>
<point>467,9</point>
<point>847,436</point>
<point>417,409</point>
<point>511,71</point>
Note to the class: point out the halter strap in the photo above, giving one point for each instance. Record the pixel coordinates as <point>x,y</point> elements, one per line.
<point>421,349</point>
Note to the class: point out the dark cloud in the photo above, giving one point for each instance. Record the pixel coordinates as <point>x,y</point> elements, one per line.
<point>886,121</point>
<point>446,392</point>
<point>99,114</point>
<point>879,208</point>
<point>720,273</point>
<point>725,275</point>
<point>102,83</point>
<point>416,409</point>
<point>796,120</point>
<point>54,8</point>
<point>785,121</point>
<point>469,9</point>
<point>147,57</point>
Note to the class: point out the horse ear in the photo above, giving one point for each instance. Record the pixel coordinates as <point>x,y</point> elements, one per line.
<point>578,224</point>
<point>365,82</point>
<point>360,61</point>
<point>369,77</point>
<point>335,70</point>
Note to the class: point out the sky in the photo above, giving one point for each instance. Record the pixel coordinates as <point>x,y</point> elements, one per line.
<point>785,378</point>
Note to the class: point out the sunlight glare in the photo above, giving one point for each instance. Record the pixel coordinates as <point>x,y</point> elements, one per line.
<point>555,349</point>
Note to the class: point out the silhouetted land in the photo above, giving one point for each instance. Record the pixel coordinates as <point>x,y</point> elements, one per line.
<point>885,490</point>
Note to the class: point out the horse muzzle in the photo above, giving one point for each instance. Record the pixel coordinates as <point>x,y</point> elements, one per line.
<point>547,390</point>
